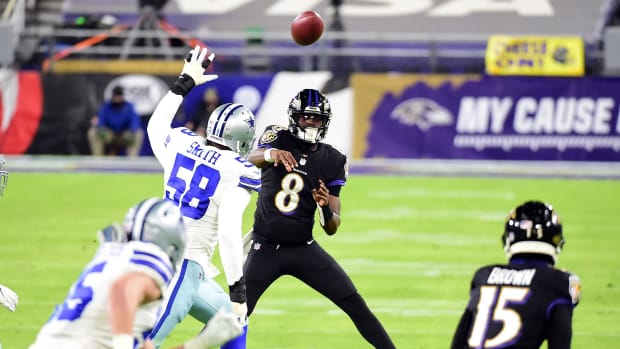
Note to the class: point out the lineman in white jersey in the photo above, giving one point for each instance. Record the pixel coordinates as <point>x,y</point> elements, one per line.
<point>116,298</point>
<point>212,183</point>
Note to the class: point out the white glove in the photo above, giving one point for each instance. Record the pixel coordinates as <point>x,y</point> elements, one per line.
<point>241,312</point>
<point>195,65</point>
<point>8,298</point>
<point>220,329</point>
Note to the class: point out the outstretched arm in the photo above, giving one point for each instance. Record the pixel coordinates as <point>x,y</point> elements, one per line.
<point>230,216</point>
<point>194,66</point>
<point>159,125</point>
<point>263,157</point>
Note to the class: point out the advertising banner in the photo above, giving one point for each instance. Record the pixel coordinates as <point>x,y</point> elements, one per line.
<point>535,55</point>
<point>67,103</point>
<point>21,104</point>
<point>469,117</point>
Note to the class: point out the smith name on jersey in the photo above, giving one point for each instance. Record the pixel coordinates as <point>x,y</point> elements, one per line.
<point>198,176</point>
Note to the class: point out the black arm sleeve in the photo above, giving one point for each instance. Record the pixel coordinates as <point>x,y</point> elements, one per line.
<point>560,327</point>
<point>459,341</point>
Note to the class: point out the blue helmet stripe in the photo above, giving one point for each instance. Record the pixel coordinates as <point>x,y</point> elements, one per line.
<point>137,216</point>
<point>222,123</point>
<point>218,119</point>
<point>146,215</point>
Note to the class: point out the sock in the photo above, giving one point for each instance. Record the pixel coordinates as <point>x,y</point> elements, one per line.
<point>239,342</point>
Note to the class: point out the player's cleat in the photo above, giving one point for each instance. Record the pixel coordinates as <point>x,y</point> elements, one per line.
<point>222,327</point>
<point>8,298</point>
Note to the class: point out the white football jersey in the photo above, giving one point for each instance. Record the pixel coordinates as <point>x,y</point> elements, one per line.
<point>82,320</point>
<point>196,177</point>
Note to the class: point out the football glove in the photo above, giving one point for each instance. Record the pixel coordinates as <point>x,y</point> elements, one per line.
<point>193,71</point>
<point>240,310</point>
<point>8,298</point>
<point>222,327</point>
<point>237,298</point>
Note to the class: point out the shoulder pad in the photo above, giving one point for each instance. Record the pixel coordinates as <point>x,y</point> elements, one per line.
<point>271,134</point>
<point>338,149</point>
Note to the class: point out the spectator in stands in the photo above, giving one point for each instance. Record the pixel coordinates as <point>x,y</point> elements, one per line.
<point>198,120</point>
<point>116,128</point>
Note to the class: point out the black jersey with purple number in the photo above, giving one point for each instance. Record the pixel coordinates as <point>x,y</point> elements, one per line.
<point>285,208</point>
<point>511,304</point>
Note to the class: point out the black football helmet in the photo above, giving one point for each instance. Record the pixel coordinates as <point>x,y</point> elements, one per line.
<point>533,227</point>
<point>309,102</point>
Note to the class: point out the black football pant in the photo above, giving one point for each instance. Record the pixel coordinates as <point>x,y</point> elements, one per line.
<point>311,264</point>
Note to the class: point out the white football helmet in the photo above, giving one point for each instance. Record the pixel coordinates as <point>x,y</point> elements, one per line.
<point>232,125</point>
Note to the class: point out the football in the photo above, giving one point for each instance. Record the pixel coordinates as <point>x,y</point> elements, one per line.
<point>307,28</point>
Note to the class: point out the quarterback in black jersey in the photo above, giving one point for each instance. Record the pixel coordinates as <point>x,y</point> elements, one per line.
<point>521,304</point>
<point>300,175</point>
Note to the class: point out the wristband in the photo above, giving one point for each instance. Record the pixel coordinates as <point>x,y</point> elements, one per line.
<point>267,155</point>
<point>325,214</point>
<point>122,341</point>
<point>182,85</point>
<point>237,291</point>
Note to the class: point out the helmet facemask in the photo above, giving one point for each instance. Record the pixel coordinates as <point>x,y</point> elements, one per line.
<point>313,103</point>
<point>308,134</point>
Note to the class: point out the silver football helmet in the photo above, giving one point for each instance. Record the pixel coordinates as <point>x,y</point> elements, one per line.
<point>158,221</point>
<point>4,175</point>
<point>232,125</point>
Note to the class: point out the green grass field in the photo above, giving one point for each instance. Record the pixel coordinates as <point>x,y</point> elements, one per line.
<point>410,244</point>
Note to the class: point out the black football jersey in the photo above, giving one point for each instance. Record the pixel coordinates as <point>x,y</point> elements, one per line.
<point>285,208</point>
<point>511,304</point>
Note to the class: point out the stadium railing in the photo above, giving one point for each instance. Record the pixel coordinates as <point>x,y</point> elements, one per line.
<point>358,51</point>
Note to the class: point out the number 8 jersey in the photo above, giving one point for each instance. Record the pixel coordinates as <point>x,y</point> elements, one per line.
<point>82,320</point>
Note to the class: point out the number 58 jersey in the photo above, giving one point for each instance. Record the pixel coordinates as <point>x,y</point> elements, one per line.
<point>82,320</point>
<point>197,177</point>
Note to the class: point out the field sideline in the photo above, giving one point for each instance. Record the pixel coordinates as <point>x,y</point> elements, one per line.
<point>410,244</point>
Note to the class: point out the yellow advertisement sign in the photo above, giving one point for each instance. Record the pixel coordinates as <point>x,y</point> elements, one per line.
<point>535,55</point>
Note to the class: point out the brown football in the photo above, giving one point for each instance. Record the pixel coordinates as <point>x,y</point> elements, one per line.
<point>307,28</point>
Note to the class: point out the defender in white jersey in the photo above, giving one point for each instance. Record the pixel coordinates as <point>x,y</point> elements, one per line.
<point>116,298</point>
<point>211,182</point>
